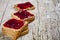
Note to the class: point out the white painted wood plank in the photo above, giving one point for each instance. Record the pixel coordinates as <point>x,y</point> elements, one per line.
<point>57,9</point>
<point>3,5</point>
<point>48,29</point>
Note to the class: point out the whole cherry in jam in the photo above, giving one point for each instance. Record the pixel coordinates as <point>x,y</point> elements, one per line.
<point>23,14</point>
<point>24,5</point>
<point>13,23</point>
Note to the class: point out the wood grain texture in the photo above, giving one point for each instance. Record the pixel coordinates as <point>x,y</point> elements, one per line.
<point>48,21</point>
<point>46,25</point>
<point>3,5</point>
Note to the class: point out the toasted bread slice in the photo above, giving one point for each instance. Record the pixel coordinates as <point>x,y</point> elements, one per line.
<point>25,6</point>
<point>24,13</point>
<point>24,32</point>
<point>9,38</point>
<point>11,32</point>
<point>25,28</point>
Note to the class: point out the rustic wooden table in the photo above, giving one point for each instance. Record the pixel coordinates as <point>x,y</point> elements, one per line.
<point>46,25</point>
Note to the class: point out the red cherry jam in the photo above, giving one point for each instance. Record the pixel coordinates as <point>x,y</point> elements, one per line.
<point>13,23</point>
<point>23,14</point>
<point>24,5</point>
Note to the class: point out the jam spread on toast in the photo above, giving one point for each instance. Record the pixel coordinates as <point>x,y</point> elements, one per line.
<point>13,23</point>
<point>24,5</point>
<point>23,14</point>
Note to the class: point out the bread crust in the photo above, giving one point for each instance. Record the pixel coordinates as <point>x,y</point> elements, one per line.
<point>10,33</point>
<point>13,33</point>
<point>29,19</point>
<point>17,8</point>
<point>25,28</point>
<point>24,32</point>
